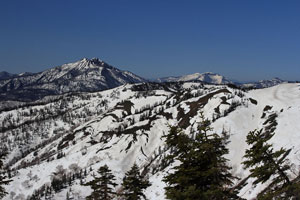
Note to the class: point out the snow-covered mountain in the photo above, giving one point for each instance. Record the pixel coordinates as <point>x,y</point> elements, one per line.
<point>207,77</point>
<point>86,75</point>
<point>76,134</point>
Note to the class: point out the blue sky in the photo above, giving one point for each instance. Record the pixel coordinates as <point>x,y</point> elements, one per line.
<point>242,39</point>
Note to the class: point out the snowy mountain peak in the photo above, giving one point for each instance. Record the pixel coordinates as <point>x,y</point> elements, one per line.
<point>89,63</point>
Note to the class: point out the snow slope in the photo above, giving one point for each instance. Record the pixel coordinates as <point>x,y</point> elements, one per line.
<point>285,101</point>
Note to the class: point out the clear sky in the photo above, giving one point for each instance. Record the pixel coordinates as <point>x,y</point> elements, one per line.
<point>242,39</point>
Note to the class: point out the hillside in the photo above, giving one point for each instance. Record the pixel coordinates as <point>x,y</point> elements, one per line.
<point>76,134</point>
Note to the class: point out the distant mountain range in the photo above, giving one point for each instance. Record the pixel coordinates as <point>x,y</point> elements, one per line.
<point>264,83</point>
<point>91,75</point>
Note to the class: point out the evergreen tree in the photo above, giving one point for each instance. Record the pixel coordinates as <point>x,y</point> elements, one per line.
<point>103,186</point>
<point>265,163</point>
<point>134,184</point>
<point>3,178</point>
<point>203,172</point>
